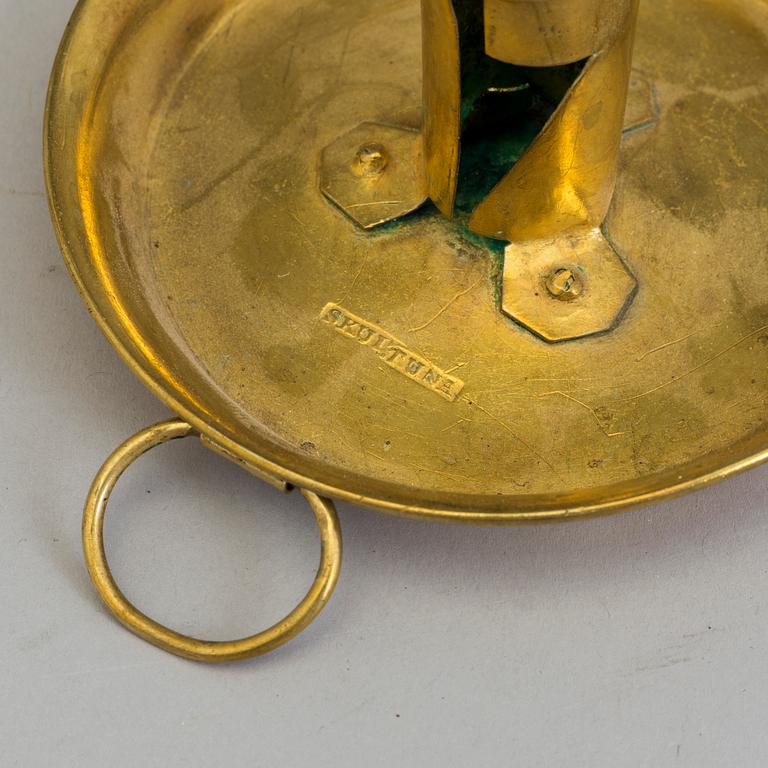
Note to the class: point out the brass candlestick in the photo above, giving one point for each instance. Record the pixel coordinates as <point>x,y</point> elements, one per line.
<point>487,262</point>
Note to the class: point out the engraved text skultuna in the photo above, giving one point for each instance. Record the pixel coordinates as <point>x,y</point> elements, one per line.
<point>392,352</point>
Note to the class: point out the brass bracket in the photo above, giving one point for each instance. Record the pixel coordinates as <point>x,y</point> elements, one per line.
<point>567,288</point>
<point>551,204</point>
<point>374,173</point>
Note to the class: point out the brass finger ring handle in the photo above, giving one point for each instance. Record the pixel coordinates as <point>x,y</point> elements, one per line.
<point>167,639</point>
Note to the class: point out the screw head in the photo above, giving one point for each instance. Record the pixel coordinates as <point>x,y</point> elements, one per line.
<point>565,284</point>
<point>370,160</point>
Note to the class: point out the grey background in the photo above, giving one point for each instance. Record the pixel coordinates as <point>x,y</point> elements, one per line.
<point>637,640</point>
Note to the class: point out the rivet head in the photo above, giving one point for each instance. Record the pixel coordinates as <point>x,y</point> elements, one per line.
<point>565,284</point>
<point>370,160</point>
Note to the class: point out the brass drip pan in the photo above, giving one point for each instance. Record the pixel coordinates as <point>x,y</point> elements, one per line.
<point>184,142</point>
<point>183,145</point>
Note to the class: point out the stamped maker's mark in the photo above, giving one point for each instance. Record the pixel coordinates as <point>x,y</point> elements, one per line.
<point>393,352</point>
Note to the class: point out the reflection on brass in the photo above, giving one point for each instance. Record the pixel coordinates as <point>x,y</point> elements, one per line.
<point>221,172</point>
<point>441,62</point>
<point>565,180</point>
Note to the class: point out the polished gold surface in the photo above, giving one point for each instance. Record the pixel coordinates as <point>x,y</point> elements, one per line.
<point>168,639</point>
<point>182,150</point>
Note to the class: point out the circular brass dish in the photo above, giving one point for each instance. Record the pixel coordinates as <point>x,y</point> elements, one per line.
<point>183,144</point>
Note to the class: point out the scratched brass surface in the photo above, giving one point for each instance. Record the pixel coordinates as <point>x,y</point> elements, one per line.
<point>544,33</point>
<point>182,150</point>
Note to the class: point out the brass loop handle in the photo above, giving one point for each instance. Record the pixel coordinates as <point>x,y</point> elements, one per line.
<point>167,639</point>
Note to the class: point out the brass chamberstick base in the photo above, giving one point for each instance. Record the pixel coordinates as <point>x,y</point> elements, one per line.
<point>183,151</point>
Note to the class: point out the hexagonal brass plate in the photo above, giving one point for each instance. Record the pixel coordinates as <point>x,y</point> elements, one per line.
<point>182,159</point>
<point>372,197</point>
<point>607,286</point>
